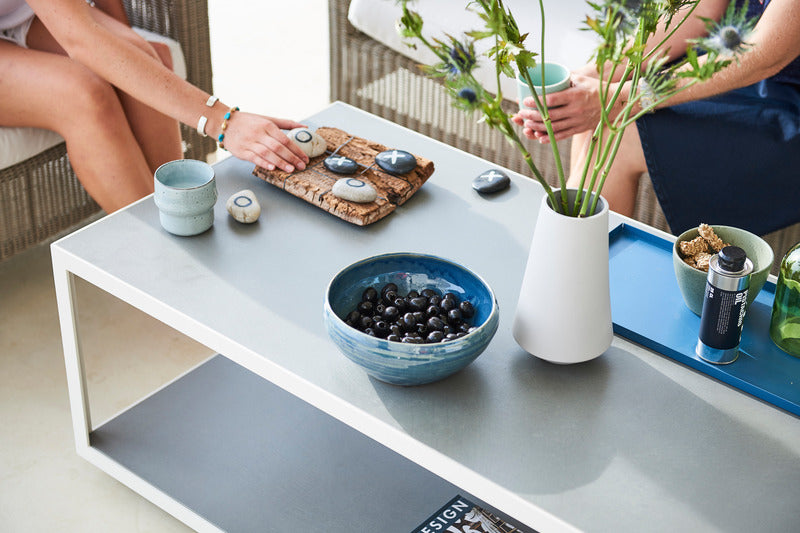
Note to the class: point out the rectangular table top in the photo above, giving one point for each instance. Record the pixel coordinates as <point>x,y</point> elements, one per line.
<point>627,442</point>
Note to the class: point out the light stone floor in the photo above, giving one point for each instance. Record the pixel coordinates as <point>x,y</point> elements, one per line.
<point>269,57</point>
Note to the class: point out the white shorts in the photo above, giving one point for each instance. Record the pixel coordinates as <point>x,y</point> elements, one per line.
<point>18,34</point>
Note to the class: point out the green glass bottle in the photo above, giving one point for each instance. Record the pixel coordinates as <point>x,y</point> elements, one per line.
<point>784,327</point>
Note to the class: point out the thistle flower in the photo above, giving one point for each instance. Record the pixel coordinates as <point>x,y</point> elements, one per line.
<point>728,37</point>
<point>468,94</point>
<point>461,58</point>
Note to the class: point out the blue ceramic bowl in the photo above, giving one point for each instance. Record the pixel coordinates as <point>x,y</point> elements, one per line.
<point>396,362</point>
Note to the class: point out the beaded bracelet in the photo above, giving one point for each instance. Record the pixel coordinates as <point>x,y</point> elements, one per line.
<point>224,126</point>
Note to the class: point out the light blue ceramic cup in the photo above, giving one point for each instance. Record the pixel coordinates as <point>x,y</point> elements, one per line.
<point>556,78</point>
<point>185,194</point>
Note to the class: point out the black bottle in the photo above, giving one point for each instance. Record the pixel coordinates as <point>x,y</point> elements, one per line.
<point>724,306</point>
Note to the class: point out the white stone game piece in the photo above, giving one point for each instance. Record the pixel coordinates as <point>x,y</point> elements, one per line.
<point>354,190</point>
<point>311,143</point>
<point>244,207</point>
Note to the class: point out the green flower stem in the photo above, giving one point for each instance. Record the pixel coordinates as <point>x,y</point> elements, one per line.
<point>548,124</point>
<point>598,144</point>
<point>526,155</point>
<point>675,28</point>
<point>603,165</point>
<point>542,108</point>
<point>598,137</point>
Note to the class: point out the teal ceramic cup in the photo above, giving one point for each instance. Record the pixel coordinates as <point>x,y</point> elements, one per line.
<point>556,78</point>
<point>185,194</point>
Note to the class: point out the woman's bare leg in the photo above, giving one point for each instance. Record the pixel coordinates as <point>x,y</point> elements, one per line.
<point>622,184</point>
<point>157,134</point>
<point>45,90</point>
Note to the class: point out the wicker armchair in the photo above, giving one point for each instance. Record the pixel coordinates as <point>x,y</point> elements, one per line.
<point>373,77</point>
<point>41,198</point>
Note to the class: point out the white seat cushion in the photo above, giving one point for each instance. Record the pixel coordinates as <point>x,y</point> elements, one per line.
<point>565,42</point>
<point>18,144</point>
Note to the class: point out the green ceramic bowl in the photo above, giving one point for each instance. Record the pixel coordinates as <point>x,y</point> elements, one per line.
<point>692,282</point>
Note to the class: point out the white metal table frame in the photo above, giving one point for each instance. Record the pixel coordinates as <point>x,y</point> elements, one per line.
<point>535,507</point>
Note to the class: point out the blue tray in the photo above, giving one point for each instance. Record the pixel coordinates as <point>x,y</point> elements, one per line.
<point>647,308</point>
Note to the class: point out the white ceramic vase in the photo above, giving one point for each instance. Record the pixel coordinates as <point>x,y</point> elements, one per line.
<point>564,309</point>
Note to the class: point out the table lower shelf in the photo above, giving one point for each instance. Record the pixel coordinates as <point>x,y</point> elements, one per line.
<point>248,456</point>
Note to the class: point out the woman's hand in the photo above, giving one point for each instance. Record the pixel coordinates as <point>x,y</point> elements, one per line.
<point>573,110</point>
<point>259,139</point>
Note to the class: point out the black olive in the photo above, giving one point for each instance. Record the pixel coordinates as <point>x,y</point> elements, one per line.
<point>435,323</point>
<point>422,329</point>
<point>419,316</point>
<point>412,294</point>
<point>418,304</point>
<point>392,337</point>
<point>353,317</point>
<point>366,308</point>
<point>432,311</point>
<point>435,336</point>
<point>467,311</point>
<point>390,313</point>
<point>451,296</point>
<point>379,308</point>
<point>401,305</point>
<point>395,329</point>
<point>389,287</point>
<point>389,297</point>
<point>369,295</point>
<point>366,322</point>
<point>435,300</point>
<point>409,323</point>
<point>450,337</point>
<point>448,304</point>
<point>464,327</point>
<point>454,316</point>
<point>412,340</point>
<point>428,293</point>
<point>370,332</point>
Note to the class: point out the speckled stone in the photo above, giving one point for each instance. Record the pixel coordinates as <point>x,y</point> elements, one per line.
<point>396,161</point>
<point>244,207</point>
<point>354,190</point>
<point>491,181</point>
<point>340,164</point>
<point>311,143</point>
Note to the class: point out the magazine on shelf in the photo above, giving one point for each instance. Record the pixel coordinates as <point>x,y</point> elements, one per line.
<point>460,515</point>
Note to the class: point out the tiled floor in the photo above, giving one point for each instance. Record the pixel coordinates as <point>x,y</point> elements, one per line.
<point>269,57</point>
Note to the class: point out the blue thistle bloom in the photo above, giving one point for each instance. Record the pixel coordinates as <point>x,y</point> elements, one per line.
<point>468,94</point>
<point>462,59</point>
<point>727,37</point>
<point>730,37</point>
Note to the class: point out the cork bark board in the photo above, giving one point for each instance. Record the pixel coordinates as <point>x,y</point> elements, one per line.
<point>315,182</point>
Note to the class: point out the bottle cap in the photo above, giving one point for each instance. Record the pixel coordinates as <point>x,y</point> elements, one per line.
<point>732,258</point>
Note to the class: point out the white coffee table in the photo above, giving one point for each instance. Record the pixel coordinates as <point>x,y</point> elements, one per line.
<point>281,432</point>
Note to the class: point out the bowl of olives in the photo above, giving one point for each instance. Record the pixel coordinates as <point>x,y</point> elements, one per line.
<point>409,318</point>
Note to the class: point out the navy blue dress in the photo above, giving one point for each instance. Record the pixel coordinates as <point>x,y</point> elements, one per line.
<point>733,159</point>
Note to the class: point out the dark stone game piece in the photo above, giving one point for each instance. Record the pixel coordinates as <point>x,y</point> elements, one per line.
<point>491,181</point>
<point>340,164</point>
<point>396,161</point>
